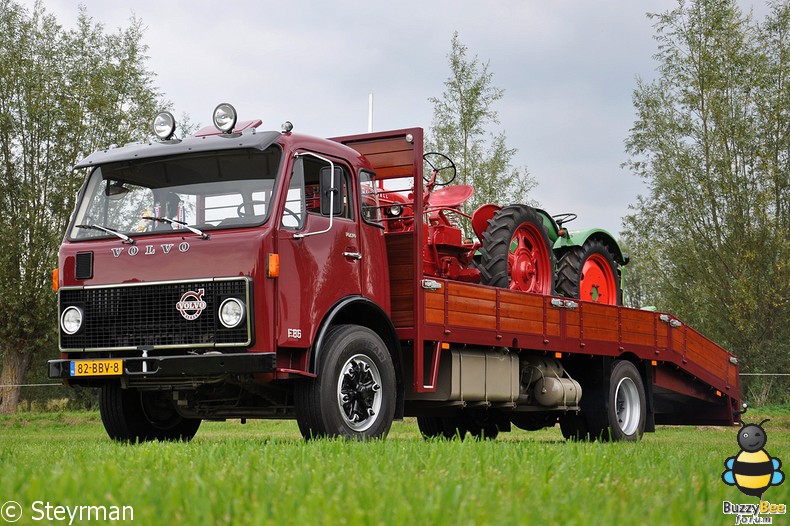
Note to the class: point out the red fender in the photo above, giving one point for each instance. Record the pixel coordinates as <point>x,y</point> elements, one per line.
<point>481,216</point>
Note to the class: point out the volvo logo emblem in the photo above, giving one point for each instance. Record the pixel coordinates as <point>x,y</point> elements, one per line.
<point>191,305</point>
<point>150,250</point>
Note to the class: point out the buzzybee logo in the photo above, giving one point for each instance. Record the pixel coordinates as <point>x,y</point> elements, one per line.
<point>753,470</point>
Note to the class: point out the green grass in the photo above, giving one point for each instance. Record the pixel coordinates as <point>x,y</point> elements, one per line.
<point>264,473</point>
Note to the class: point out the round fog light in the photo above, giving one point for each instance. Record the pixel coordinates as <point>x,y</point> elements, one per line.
<point>225,117</point>
<point>71,320</point>
<point>164,125</point>
<point>231,313</point>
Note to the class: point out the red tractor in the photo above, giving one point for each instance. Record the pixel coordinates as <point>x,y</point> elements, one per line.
<point>518,247</point>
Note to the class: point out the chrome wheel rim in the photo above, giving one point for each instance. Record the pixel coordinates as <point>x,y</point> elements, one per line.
<point>359,393</point>
<point>627,407</point>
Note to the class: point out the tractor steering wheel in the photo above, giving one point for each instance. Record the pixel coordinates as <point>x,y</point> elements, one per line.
<point>443,170</point>
<point>561,219</point>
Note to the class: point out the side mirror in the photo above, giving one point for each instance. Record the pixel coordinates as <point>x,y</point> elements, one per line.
<point>331,191</point>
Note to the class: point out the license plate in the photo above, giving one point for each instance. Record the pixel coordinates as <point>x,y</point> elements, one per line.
<point>96,368</point>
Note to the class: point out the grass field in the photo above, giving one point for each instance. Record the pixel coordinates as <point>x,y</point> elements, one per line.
<point>264,473</point>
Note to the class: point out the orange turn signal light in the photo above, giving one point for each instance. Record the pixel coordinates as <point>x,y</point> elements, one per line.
<point>273,266</point>
<point>55,279</point>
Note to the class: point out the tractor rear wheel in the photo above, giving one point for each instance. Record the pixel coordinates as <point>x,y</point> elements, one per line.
<point>589,273</point>
<point>516,251</point>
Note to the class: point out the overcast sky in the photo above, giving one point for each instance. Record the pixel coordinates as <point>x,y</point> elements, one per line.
<point>568,68</point>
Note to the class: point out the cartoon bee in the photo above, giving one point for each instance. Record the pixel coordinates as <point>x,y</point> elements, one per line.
<point>753,470</point>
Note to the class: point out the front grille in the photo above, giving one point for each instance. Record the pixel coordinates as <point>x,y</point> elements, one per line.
<point>148,315</point>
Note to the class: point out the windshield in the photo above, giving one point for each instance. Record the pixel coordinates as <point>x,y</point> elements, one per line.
<point>207,191</point>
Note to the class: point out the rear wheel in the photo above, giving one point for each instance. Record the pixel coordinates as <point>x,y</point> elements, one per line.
<point>438,427</point>
<point>516,251</point>
<point>354,393</point>
<point>618,414</point>
<point>479,424</point>
<point>589,273</point>
<point>130,415</point>
<point>627,407</point>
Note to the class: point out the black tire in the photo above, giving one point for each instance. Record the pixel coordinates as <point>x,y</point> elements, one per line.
<point>130,415</point>
<point>619,414</point>
<point>588,424</point>
<point>626,406</point>
<point>533,422</point>
<point>479,425</point>
<point>496,249</point>
<point>437,427</point>
<point>353,395</point>
<point>574,427</point>
<point>571,263</point>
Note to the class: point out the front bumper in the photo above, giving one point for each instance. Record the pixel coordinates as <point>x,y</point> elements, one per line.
<point>175,367</point>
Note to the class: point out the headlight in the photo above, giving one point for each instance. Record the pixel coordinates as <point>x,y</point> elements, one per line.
<point>231,313</point>
<point>395,210</point>
<point>71,320</point>
<point>225,117</point>
<point>164,125</point>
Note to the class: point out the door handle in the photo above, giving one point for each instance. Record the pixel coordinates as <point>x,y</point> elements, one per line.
<point>354,255</point>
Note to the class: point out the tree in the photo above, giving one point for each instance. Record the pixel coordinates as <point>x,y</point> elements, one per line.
<point>712,142</point>
<point>63,94</point>
<point>460,118</point>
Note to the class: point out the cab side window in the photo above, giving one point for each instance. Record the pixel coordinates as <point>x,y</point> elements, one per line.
<point>293,215</point>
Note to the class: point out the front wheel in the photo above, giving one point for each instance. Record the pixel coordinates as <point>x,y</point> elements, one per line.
<point>354,393</point>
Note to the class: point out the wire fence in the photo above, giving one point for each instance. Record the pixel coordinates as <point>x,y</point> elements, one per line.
<point>61,384</point>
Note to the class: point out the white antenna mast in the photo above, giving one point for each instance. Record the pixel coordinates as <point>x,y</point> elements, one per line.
<point>370,112</point>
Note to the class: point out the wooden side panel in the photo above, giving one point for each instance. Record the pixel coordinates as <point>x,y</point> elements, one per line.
<point>389,157</point>
<point>638,327</point>
<point>599,322</point>
<point>400,250</point>
<point>703,352</point>
<point>573,324</point>
<point>471,306</point>
<point>521,313</point>
<point>434,306</point>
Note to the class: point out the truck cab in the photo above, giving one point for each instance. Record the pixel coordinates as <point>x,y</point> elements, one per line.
<point>212,267</point>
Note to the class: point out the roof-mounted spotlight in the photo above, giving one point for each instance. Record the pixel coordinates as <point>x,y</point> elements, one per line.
<point>287,127</point>
<point>225,117</point>
<point>164,125</point>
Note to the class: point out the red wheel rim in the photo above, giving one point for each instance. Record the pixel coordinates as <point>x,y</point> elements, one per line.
<point>529,262</point>
<point>597,281</point>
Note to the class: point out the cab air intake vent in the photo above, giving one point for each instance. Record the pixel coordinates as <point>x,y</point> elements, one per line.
<point>84,265</point>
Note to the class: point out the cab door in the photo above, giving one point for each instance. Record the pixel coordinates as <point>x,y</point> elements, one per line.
<point>318,244</point>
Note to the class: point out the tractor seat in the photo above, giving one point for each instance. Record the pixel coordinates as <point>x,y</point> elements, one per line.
<point>451,196</point>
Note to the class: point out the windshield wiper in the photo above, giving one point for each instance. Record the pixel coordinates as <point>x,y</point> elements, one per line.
<point>126,239</point>
<point>177,222</point>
